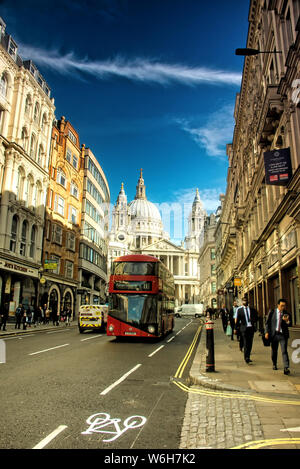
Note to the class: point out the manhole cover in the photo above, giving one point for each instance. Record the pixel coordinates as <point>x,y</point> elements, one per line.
<point>273,386</point>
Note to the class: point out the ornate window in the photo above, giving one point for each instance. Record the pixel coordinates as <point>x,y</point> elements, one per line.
<point>14,230</point>
<point>68,269</point>
<point>74,189</point>
<point>3,85</point>
<point>59,205</point>
<point>24,138</point>
<point>23,238</point>
<point>57,233</point>
<point>32,241</point>
<point>21,184</point>
<point>61,177</point>
<point>44,121</point>
<point>40,155</point>
<point>32,146</point>
<point>36,114</point>
<point>28,104</point>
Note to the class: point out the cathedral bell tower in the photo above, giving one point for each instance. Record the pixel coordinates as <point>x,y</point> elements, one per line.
<point>120,213</point>
<point>196,222</point>
<point>141,188</point>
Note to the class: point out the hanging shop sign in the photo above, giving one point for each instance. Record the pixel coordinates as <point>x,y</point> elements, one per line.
<point>278,167</point>
<point>237,282</point>
<point>50,264</point>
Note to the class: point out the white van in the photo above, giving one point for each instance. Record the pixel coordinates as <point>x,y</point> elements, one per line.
<point>195,310</point>
<point>92,317</point>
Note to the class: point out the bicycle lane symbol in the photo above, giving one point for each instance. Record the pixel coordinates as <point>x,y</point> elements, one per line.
<point>98,423</point>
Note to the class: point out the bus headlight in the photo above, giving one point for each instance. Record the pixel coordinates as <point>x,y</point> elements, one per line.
<point>151,329</point>
<point>111,328</point>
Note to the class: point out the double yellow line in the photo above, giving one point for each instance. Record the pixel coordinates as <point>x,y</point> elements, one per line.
<point>184,362</point>
<point>263,443</point>
<point>235,395</point>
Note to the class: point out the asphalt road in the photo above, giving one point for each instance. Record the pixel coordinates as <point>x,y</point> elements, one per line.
<point>66,390</point>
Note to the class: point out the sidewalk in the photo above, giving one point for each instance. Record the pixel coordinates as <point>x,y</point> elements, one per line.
<point>10,328</point>
<point>233,374</point>
<point>242,406</point>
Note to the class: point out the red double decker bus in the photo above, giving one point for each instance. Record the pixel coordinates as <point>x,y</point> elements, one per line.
<point>141,297</point>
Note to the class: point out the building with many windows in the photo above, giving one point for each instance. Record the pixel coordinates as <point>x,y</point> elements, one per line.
<point>94,233</point>
<point>26,115</point>
<point>207,263</point>
<point>258,235</point>
<point>63,219</point>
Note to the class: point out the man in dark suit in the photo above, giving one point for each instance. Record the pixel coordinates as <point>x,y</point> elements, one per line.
<point>246,322</point>
<point>277,331</point>
<point>224,317</point>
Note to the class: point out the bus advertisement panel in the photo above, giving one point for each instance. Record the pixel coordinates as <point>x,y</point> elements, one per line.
<point>141,297</point>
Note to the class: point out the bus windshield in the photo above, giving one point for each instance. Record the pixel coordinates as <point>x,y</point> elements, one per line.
<point>133,309</point>
<point>134,268</point>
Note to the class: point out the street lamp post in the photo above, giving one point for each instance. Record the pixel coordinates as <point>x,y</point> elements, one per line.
<point>247,51</point>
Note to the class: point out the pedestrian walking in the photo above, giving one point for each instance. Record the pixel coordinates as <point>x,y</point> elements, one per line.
<point>19,315</point>
<point>24,319</point>
<point>55,316</point>
<point>224,317</point>
<point>63,315</point>
<point>29,316</point>
<point>38,316</point>
<point>47,315</point>
<point>209,312</point>
<point>3,317</point>
<point>277,331</point>
<point>231,318</point>
<point>43,313</point>
<point>68,317</point>
<point>246,321</point>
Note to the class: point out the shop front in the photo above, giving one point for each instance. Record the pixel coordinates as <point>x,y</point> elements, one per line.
<point>290,287</point>
<point>58,296</point>
<point>18,284</point>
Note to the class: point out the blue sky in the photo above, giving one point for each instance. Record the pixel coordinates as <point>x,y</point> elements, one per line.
<point>147,84</point>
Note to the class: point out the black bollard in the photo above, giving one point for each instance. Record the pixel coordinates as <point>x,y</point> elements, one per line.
<point>210,349</point>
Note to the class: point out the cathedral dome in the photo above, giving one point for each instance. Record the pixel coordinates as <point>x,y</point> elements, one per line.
<point>143,208</point>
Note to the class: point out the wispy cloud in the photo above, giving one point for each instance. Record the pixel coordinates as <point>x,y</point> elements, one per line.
<point>138,69</point>
<point>175,212</point>
<point>209,197</point>
<point>214,134</point>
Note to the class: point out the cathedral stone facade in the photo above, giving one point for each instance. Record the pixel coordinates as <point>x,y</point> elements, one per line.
<point>137,228</point>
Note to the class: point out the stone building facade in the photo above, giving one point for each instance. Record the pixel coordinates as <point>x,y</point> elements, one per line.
<point>26,115</point>
<point>207,263</point>
<point>258,235</point>
<point>63,219</point>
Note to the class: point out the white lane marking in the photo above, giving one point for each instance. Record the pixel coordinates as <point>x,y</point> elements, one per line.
<point>293,429</point>
<point>2,351</point>
<point>155,351</point>
<point>47,349</point>
<point>172,338</point>
<point>50,437</point>
<point>119,380</point>
<point>89,338</point>
<point>57,332</point>
<point>178,332</point>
